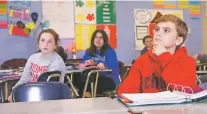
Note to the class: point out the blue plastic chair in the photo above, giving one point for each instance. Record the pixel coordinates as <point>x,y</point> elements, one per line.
<point>39,91</point>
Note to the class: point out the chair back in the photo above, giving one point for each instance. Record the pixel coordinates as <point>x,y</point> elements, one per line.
<point>123,71</point>
<point>14,63</point>
<point>50,76</point>
<point>39,91</point>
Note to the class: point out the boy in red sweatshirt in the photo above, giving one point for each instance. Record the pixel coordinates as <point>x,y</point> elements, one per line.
<point>168,61</point>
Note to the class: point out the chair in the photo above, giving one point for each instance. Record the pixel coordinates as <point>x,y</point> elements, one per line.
<point>50,76</point>
<point>201,72</point>
<point>14,63</point>
<point>124,69</point>
<point>121,70</point>
<point>55,76</point>
<point>39,91</point>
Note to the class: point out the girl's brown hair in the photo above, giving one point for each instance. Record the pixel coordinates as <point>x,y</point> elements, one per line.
<point>51,31</point>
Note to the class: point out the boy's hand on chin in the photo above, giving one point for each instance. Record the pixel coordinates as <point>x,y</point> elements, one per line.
<point>158,49</point>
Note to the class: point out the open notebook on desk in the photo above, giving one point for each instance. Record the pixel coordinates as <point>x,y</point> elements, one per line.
<point>165,97</point>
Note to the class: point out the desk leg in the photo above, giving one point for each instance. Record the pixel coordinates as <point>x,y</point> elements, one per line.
<point>76,93</point>
<point>86,84</point>
<point>198,79</point>
<point>71,77</point>
<point>6,90</point>
<point>2,95</point>
<point>92,90</point>
<point>87,81</point>
<point>96,84</point>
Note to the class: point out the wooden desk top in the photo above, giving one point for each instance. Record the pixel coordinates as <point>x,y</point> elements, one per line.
<point>71,106</point>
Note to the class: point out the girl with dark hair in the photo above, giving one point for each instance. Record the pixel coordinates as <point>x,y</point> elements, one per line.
<point>102,56</point>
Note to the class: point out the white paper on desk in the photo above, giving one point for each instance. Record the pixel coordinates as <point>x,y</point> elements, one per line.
<point>165,97</point>
<point>199,95</point>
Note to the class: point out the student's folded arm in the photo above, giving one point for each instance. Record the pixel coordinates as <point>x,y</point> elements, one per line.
<point>165,58</point>
<point>181,72</point>
<point>131,84</point>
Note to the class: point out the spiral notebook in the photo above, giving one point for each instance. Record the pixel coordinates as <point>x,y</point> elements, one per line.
<point>166,97</point>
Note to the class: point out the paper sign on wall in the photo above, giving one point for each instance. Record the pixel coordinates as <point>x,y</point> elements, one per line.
<point>91,15</point>
<point>111,32</point>
<point>60,21</point>
<point>145,22</point>
<point>83,35</point>
<point>3,14</point>
<point>85,12</point>
<point>106,12</point>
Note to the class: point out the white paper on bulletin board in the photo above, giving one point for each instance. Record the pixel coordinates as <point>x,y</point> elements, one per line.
<point>144,23</point>
<point>61,17</point>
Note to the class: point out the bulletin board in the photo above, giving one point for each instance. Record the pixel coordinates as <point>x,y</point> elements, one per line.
<point>91,15</point>
<point>145,23</point>
<point>19,17</point>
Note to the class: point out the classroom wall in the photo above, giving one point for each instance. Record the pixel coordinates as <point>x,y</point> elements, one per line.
<point>125,24</point>
<point>15,47</point>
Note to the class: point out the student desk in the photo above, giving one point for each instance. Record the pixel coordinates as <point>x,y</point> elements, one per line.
<point>201,70</point>
<point>70,106</point>
<point>199,75</point>
<point>94,87</point>
<point>195,108</point>
<point>4,83</point>
<point>73,61</point>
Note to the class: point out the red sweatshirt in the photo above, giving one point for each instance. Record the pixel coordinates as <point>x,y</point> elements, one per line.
<point>151,73</point>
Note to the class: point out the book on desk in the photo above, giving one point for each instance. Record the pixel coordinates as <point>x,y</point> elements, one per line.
<point>166,97</point>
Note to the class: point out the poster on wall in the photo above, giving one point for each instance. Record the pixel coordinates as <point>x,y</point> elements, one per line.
<point>106,12</point>
<point>183,4</point>
<point>205,8</point>
<point>3,15</point>
<point>141,31</point>
<point>19,18</point>
<point>158,3</point>
<point>91,15</point>
<point>194,8</point>
<point>83,33</point>
<point>59,20</point>
<point>145,23</point>
<point>85,11</point>
<point>170,4</point>
<point>111,32</point>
